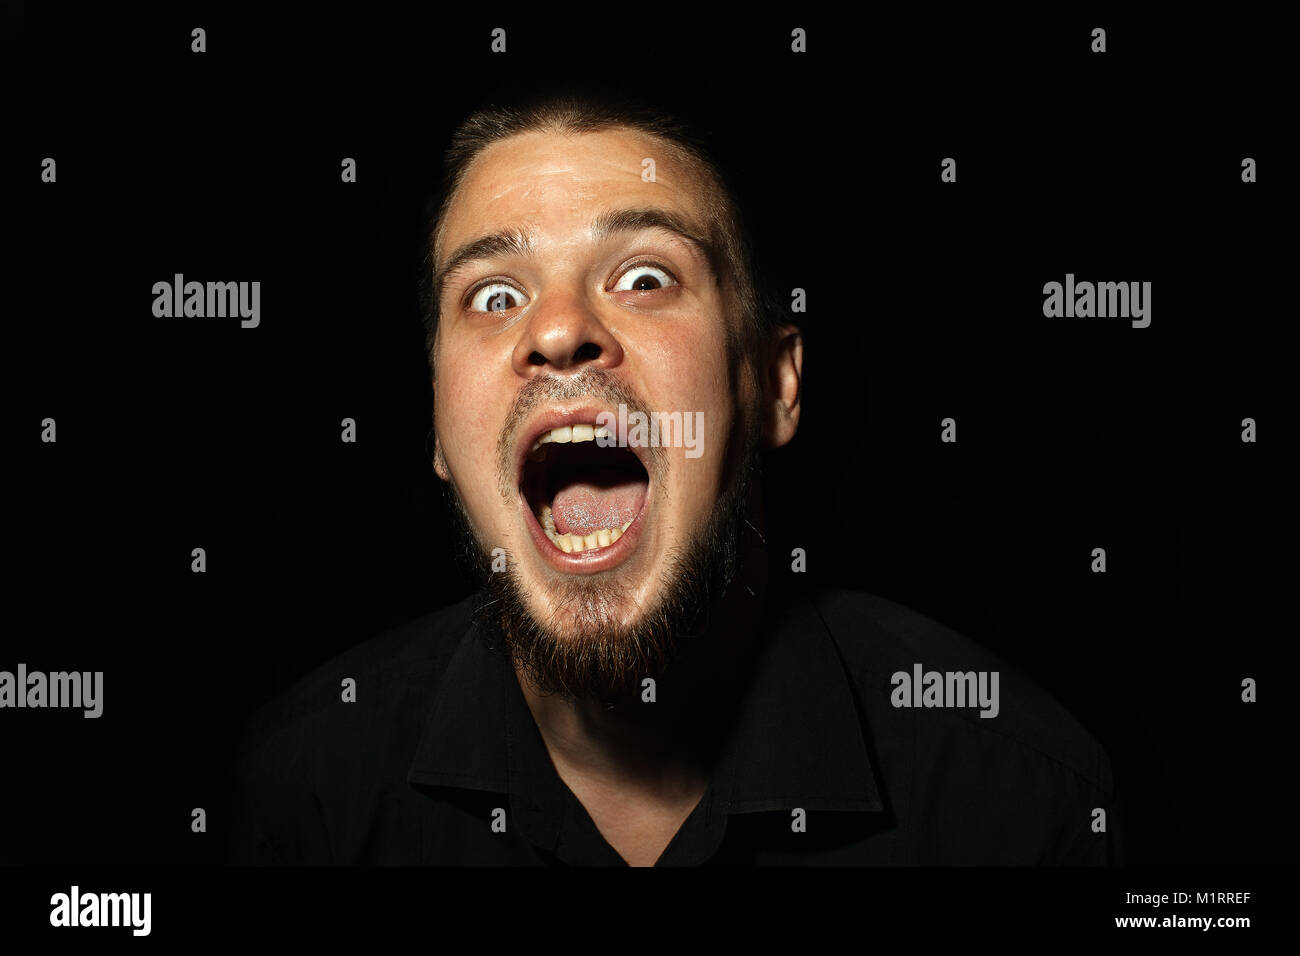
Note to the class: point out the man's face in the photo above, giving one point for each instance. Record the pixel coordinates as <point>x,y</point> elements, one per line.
<point>541,337</point>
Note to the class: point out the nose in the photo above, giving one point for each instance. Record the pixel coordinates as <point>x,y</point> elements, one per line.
<point>563,334</point>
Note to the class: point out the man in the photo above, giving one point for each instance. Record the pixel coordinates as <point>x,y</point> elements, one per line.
<point>627,687</point>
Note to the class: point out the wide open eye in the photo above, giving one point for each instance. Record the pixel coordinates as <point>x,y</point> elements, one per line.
<point>644,278</point>
<point>496,297</point>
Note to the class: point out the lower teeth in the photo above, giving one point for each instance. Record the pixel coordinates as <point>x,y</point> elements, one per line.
<point>570,543</point>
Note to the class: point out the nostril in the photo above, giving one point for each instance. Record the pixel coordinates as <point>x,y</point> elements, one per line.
<point>587,352</point>
<point>537,358</point>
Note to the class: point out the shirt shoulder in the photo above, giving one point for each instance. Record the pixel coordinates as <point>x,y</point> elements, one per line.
<point>1013,757</point>
<point>339,741</point>
<point>880,638</point>
<point>410,652</point>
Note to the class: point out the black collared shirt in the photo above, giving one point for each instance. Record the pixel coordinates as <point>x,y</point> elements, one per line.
<point>438,760</point>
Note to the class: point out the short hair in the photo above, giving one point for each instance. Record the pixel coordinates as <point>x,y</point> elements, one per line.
<point>583,112</point>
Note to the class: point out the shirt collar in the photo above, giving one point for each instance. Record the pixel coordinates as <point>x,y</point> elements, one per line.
<point>798,740</point>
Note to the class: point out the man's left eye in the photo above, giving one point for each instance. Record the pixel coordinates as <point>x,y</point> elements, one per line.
<point>644,278</point>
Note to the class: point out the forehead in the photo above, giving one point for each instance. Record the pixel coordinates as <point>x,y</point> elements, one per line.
<point>555,181</point>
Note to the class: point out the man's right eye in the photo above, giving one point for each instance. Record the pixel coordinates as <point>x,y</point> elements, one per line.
<point>495,297</point>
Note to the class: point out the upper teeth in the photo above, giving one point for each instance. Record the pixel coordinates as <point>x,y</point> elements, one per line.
<point>571,433</point>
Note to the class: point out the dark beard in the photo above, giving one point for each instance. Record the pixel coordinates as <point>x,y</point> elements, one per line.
<point>594,659</point>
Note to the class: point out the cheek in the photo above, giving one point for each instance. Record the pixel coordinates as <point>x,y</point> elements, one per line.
<point>468,426</point>
<point>689,366</point>
<point>692,377</point>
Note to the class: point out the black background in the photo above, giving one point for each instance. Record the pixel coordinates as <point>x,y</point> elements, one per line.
<point>924,302</point>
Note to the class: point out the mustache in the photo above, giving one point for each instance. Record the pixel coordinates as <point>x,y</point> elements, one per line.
<point>591,383</point>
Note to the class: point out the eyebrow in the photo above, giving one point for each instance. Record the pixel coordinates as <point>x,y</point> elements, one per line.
<point>633,220</point>
<point>520,242</point>
<point>507,242</point>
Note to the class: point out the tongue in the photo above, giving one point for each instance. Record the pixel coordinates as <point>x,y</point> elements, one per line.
<point>602,499</point>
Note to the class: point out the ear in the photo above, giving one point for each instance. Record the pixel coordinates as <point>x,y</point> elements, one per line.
<point>439,463</point>
<point>783,376</point>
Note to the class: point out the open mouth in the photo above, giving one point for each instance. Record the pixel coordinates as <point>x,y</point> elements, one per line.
<point>584,496</point>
